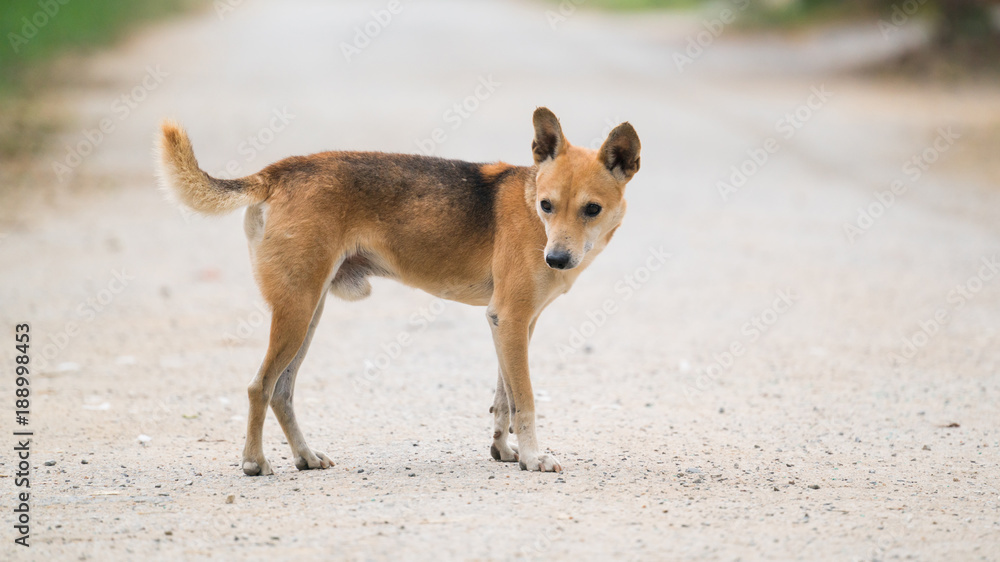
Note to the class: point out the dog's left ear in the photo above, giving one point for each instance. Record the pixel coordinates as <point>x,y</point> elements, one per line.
<point>620,152</point>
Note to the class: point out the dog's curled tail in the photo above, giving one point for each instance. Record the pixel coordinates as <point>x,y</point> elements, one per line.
<point>181,177</point>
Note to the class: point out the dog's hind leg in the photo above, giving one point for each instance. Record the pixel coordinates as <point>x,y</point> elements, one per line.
<point>294,294</point>
<point>501,410</point>
<point>281,404</point>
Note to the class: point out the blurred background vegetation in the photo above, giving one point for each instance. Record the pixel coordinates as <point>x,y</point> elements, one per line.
<point>956,22</point>
<point>37,30</point>
<point>964,34</point>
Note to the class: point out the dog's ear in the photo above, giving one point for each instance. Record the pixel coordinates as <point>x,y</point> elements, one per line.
<point>620,152</point>
<point>549,141</point>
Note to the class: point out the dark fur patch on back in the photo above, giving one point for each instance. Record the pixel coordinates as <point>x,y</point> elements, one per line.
<point>400,179</point>
<point>295,167</point>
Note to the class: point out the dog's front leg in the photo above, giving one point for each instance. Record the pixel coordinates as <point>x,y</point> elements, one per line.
<point>511,332</point>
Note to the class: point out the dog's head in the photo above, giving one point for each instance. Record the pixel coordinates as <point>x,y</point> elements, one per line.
<point>579,193</point>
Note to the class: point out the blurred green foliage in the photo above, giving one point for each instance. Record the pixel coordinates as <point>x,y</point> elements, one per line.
<point>35,30</point>
<point>959,24</point>
<point>634,5</point>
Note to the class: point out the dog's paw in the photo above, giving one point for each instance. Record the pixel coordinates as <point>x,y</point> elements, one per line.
<point>315,459</point>
<point>503,452</point>
<point>253,468</point>
<point>541,463</point>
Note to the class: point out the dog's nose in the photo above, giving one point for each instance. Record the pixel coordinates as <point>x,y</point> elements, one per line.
<point>557,260</point>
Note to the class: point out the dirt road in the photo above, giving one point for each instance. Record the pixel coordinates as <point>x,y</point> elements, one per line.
<point>768,384</point>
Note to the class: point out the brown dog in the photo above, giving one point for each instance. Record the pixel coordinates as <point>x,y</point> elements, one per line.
<point>512,238</point>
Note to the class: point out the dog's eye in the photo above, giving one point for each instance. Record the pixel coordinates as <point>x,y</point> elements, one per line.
<point>546,205</point>
<point>592,210</point>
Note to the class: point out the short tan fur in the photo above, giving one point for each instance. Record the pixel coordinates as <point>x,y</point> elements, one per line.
<point>511,238</point>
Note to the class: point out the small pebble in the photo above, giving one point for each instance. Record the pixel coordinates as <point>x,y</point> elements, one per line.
<point>814,486</point>
<point>360,470</point>
<point>168,533</point>
<point>692,470</point>
<point>50,463</point>
<point>230,498</point>
<point>84,461</point>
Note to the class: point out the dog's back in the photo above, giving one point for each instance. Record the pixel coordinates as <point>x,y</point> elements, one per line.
<point>426,221</point>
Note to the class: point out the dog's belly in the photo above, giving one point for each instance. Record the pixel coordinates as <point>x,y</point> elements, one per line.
<point>476,290</point>
<point>468,287</point>
<point>476,294</point>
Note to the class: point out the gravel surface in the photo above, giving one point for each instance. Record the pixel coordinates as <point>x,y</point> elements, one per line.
<point>751,395</point>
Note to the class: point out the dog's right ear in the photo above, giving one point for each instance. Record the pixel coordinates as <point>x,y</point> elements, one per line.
<point>549,141</point>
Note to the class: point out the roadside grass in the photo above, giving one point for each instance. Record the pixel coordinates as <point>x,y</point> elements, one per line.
<point>774,13</point>
<point>638,5</point>
<point>35,31</point>
<point>966,44</point>
<point>43,44</point>
<point>38,32</point>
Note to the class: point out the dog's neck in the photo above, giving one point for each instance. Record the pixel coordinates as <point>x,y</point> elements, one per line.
<point>530,191</point>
